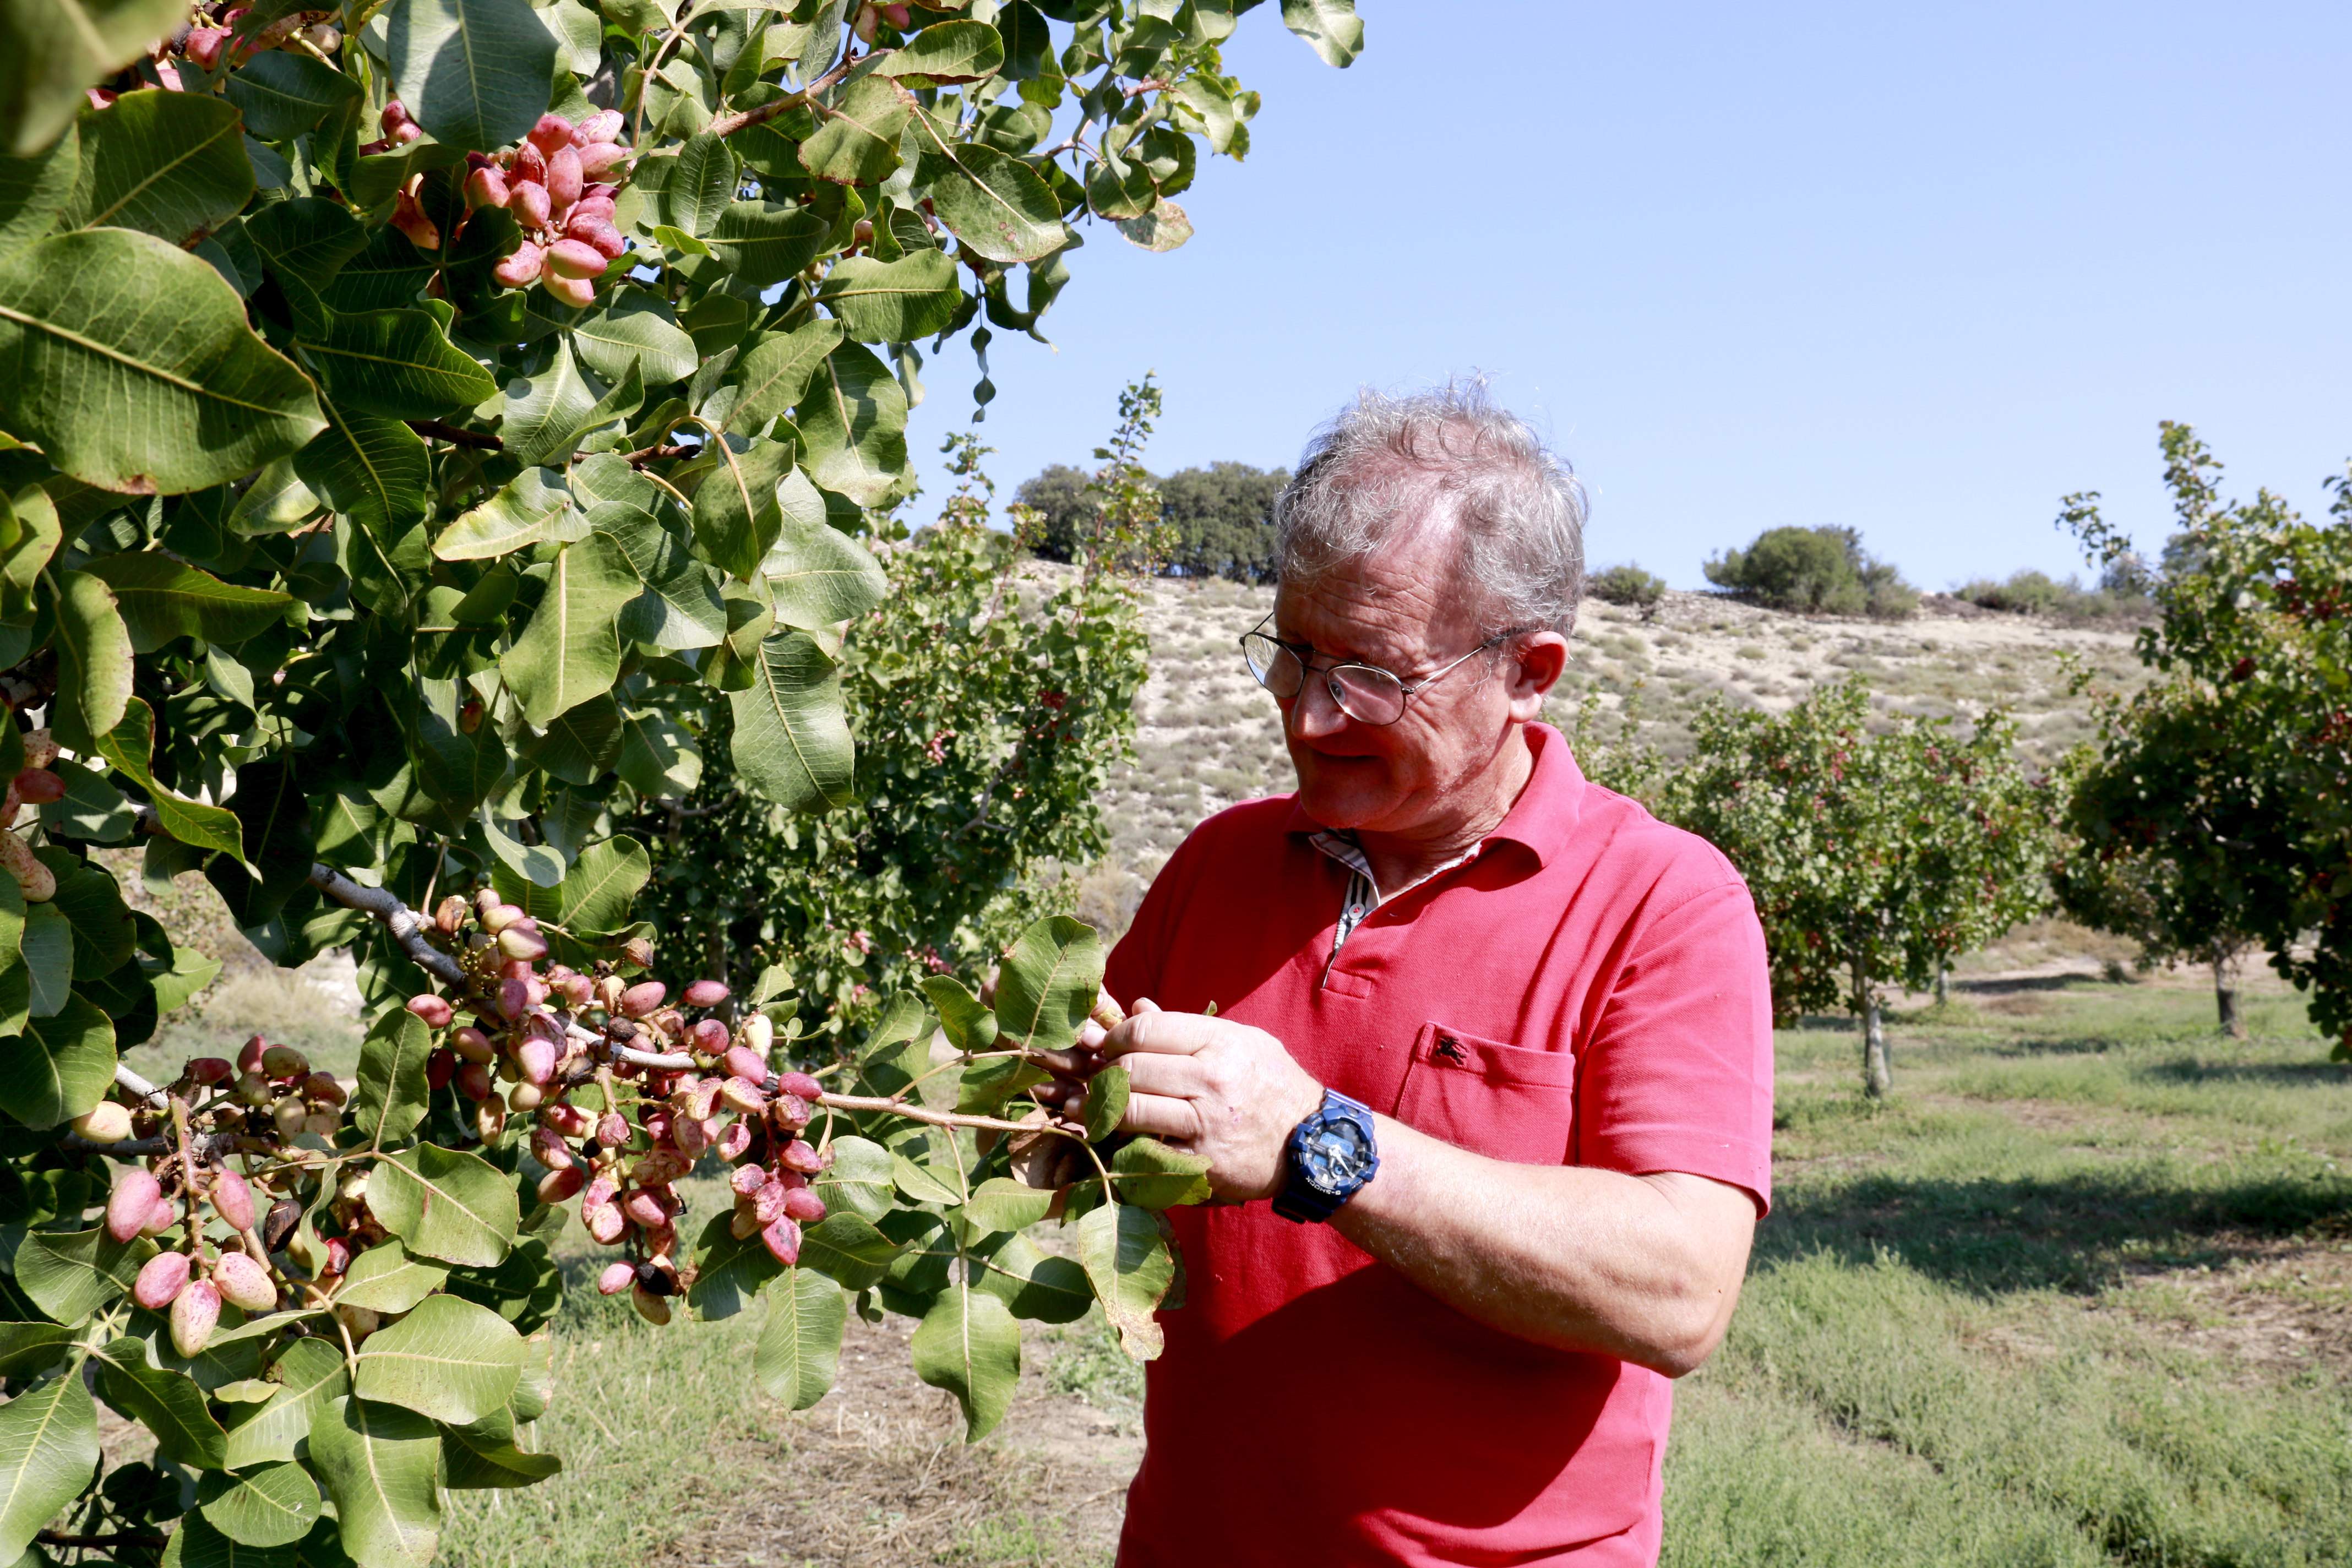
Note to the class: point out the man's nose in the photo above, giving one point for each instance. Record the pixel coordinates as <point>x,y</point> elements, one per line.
<point>1314,712</point>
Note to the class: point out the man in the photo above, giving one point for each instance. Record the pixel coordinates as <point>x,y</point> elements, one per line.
<point>1494,1043</point>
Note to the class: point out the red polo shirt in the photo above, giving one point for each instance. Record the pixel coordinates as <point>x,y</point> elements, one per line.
<point>1589,989</point>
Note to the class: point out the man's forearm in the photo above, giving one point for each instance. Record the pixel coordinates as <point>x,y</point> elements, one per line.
<point>1643,1267</point>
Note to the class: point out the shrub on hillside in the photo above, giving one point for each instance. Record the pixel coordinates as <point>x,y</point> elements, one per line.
<point>1628,585</point>
<point>1813,571</point>
<point>2032,593</point>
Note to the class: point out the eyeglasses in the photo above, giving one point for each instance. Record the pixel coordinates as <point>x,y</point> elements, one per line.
<point>1364,692</point>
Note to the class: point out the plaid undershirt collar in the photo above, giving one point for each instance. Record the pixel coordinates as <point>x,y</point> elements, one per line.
<point>1364,895</point>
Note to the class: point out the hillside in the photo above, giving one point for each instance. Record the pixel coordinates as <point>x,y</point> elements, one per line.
<point>1207,736</point>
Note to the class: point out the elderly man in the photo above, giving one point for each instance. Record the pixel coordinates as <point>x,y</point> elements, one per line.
<point>1488,1090</point>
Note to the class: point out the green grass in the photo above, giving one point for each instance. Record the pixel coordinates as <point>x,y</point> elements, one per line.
<point>1965,1336</point>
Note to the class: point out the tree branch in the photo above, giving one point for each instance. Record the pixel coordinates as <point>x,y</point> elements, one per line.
<point>406,926</point>
<point>728,124</point>
<point>479,440</point>
<point>141,1087</point>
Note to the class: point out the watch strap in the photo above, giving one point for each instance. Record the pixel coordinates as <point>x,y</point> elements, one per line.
<point>1300,1200</point>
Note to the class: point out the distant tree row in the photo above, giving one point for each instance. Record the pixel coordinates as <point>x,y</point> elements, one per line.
<point>1220,517</point>
<point>2210,820</point>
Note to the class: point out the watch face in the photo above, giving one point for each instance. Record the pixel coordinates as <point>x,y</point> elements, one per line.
<point>1334,1154</point>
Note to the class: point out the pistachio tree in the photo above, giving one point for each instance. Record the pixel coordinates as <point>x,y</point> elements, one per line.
<point>2220,793</point>
<point>1873,854</point>
<point>426,426</point>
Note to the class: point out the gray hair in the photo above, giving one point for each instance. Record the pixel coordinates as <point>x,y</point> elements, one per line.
<point>1386,462</point>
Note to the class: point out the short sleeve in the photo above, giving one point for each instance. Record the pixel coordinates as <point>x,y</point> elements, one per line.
<point>1677,1073</point>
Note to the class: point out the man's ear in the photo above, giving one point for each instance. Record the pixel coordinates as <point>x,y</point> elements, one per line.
<point>1532,665</point>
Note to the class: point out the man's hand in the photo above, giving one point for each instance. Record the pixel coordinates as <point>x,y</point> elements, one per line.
<point>1216,1088</point>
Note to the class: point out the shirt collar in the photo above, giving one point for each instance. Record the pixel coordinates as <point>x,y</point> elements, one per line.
<point>1542,820</point>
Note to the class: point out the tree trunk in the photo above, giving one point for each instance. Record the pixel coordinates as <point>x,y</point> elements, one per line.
<point>2225,995</point>
<point>1877,1081</point>
<point>1943,975</point>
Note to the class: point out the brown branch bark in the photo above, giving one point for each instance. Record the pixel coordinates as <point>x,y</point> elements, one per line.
<point>481,441</point>
<point>406,926</point>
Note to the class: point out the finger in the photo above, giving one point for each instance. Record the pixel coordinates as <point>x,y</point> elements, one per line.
<point>1090,1035</point>
<point>1175,1034</point>
<point>1107,1012</point>
<point>1177,1077</point>
<point>1145,1004</point>
<point>1158,1115</point>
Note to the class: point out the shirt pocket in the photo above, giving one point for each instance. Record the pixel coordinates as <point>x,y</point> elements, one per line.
<point>1501,1101</point>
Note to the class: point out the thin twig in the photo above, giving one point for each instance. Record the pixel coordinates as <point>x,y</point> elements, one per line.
<point>728,124</point>
<point>141,1087</point>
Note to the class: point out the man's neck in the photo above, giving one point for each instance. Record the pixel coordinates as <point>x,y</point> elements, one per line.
<point>1399,860</point>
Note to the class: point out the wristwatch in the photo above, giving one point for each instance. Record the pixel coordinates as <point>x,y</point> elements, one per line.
<point>1331,1155</point>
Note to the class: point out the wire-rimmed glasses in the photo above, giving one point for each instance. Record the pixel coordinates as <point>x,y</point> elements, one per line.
<point>1364,692</point>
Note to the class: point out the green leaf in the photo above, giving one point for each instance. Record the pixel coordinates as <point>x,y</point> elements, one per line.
<point>27,1349</point>
<point>1129,1262</point>
<point>160,598</point>
<point>947,52</point>
<point>893,301</point>
<point>736,514</point>
<point>1049,983</point>
<point>799,1351</point>
<point>283,94</point>
<point>986,1085</point>
<point>48,948</point>
<point>168,1404</point>
<point>657,757</point>
<point>996,204</point>
<point>49,51</point>
<point>94,656</point>
<point>71,1274</point>
<point>1331,28</point>
<point>30,533</point>
<point>534,505</point>
<point>381,1466</point>
<point>48,1451</point>
<point>969,1024</point>
<point>385,1278</point>
<point>818,575</point>
<point>1032,1284</point>
<point>775,373</point>
<point>166,163</point>
<point>1106,1102</point>
<point>34,190</point>
<point>969,1345</point>
<point>311,1375</point>
<point>449,1358</point>
<point>126,398</point>
<point>59,1066</point>
<point>190,973</point>
<point>580,744</point>
<point>372,469</point>
<point>634,328</point>
<point>475,73</point>
<point>571,651</point>
<point>445,1204</point>
<point>392,1096</point>
<point>856,139</point>
<point>1003,1204</point>
<point>90,808</point>
<point>791,739</point>
<point>593,896</point>
<point>398,363</point>
<point>858,1180</point>
<point>309,239</point>
<point>848,1248</point>
<point>90,900</point>
<point>547,414</point>
<point>680,605</point>
<point>701,185</point>
<point>921,1185</point>
<point>478,1466</point>
<point>730,1269</point>
<point>275,1505</point>
<point>128,746</point>
<point>1152,1175</point>
<point>853,424</point>
<point>1164,228</point>
<point>767,242</point>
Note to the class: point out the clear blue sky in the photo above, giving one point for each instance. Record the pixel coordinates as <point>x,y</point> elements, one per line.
<point>1917,271</point>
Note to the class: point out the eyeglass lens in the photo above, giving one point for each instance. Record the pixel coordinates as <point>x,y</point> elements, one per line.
<point>1367,695</point>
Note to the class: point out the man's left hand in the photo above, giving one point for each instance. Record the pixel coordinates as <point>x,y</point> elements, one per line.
<point>1216,1088</point>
